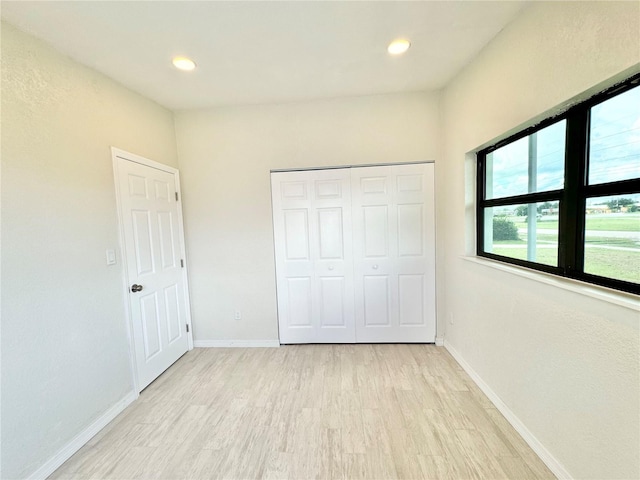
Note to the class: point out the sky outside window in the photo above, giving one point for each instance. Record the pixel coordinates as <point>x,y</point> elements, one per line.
<point>614,148</point>
<point>508,166</point>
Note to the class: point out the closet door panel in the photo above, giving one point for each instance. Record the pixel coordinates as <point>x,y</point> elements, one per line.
<point>299,302</point>
<point>296,233</point>
<point>314,272</point>
<point>376,300</point>
<point>332,302</point>
<point>394,245</point>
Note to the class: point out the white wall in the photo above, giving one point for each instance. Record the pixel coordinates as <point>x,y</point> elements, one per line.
<point>225,158</point>
<point>566,364</point>
<point>65,357</point>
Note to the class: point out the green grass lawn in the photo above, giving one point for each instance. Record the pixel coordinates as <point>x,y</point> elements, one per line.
<point>622,265</point>
<point>546,256</point>
<point>613,242</point>
<point>627,222</point>
<point>545,238</point>
<point>607,262</point>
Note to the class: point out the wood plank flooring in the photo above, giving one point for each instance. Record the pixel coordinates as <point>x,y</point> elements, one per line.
<point>310,411</point>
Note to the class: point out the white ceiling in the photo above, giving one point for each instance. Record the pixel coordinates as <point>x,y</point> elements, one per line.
<point>266,52</point>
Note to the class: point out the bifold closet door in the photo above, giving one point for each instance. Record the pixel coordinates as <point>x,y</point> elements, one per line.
<point>314,263</point>
<point>394,253</point>
<point>355,254</point>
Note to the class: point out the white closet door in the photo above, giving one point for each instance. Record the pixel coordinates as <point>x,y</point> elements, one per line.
<point>394,253</point>
<point>314,264</point>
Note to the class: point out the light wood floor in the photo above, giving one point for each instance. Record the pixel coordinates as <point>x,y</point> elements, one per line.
<point>310,411</point>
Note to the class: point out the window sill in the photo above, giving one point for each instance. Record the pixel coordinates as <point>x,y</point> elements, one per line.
<point>622,299</point>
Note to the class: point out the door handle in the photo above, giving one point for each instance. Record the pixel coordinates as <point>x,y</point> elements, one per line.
<point>375,267</point>
<point>136,288</point>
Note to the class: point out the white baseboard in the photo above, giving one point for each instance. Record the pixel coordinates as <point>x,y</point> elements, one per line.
<point>550,461</point>
<point>439,341</point>
<point>82,438</point>
<point>236,343</point>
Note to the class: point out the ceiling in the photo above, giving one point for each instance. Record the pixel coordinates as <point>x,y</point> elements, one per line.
<point>268,51</point>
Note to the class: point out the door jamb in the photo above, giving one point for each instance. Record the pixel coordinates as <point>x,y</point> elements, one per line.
<point>118,154</point>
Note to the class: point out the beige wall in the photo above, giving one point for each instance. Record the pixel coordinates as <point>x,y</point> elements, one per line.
<point>566,364</point>
<point>65,357</point>
<point>225,158</point>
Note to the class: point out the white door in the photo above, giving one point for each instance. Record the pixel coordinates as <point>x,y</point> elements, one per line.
<point>394,253</point>
<point>153,252</point>
<point>312,233</point>
<point>355,254</point>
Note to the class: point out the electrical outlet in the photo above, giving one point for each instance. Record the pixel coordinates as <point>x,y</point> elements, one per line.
<point>237,315</point>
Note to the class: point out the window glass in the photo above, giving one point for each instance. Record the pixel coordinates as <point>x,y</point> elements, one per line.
<point>614,141</point>
<point>612,237</point>
<point>542,153</point>
<point>596,149</point>
<point>526,231</point>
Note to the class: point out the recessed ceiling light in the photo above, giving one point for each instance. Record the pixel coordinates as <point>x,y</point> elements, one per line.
<point>184,63</point>
<point>398,46</point>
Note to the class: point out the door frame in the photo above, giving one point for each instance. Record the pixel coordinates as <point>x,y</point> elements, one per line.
<point>116,155</point>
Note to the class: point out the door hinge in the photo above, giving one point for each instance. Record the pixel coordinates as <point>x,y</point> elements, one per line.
<point>187,325</point>
<point>182,263</point>
<point>176,196</point>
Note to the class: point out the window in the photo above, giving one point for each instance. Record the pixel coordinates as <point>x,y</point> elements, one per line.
<point>563,197</point>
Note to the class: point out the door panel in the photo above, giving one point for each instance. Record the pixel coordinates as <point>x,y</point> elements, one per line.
<point>162,191</point>
<point>376,299</point>
<point>409,183</point>
<point>167,236</point>
<point>142,241</point>
<point>137,186</point>
<point>372,185</point>
<point>332,290</point>
<point>312,217</point>
<point>152,245</point>
<point>296,227</point>
<point>410,230</point>
<point>294,190</point>
<point>394,253</point>
<point>150,317</point>
<point>328,189</point>
<point>299,295</point>
<point>172,304</point>
<point>376,230</point>
<point>330,233</point>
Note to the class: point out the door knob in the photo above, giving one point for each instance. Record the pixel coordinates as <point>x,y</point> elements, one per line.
<point>330,267</point>
<point>375,267</point>
<point>136,288</point>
